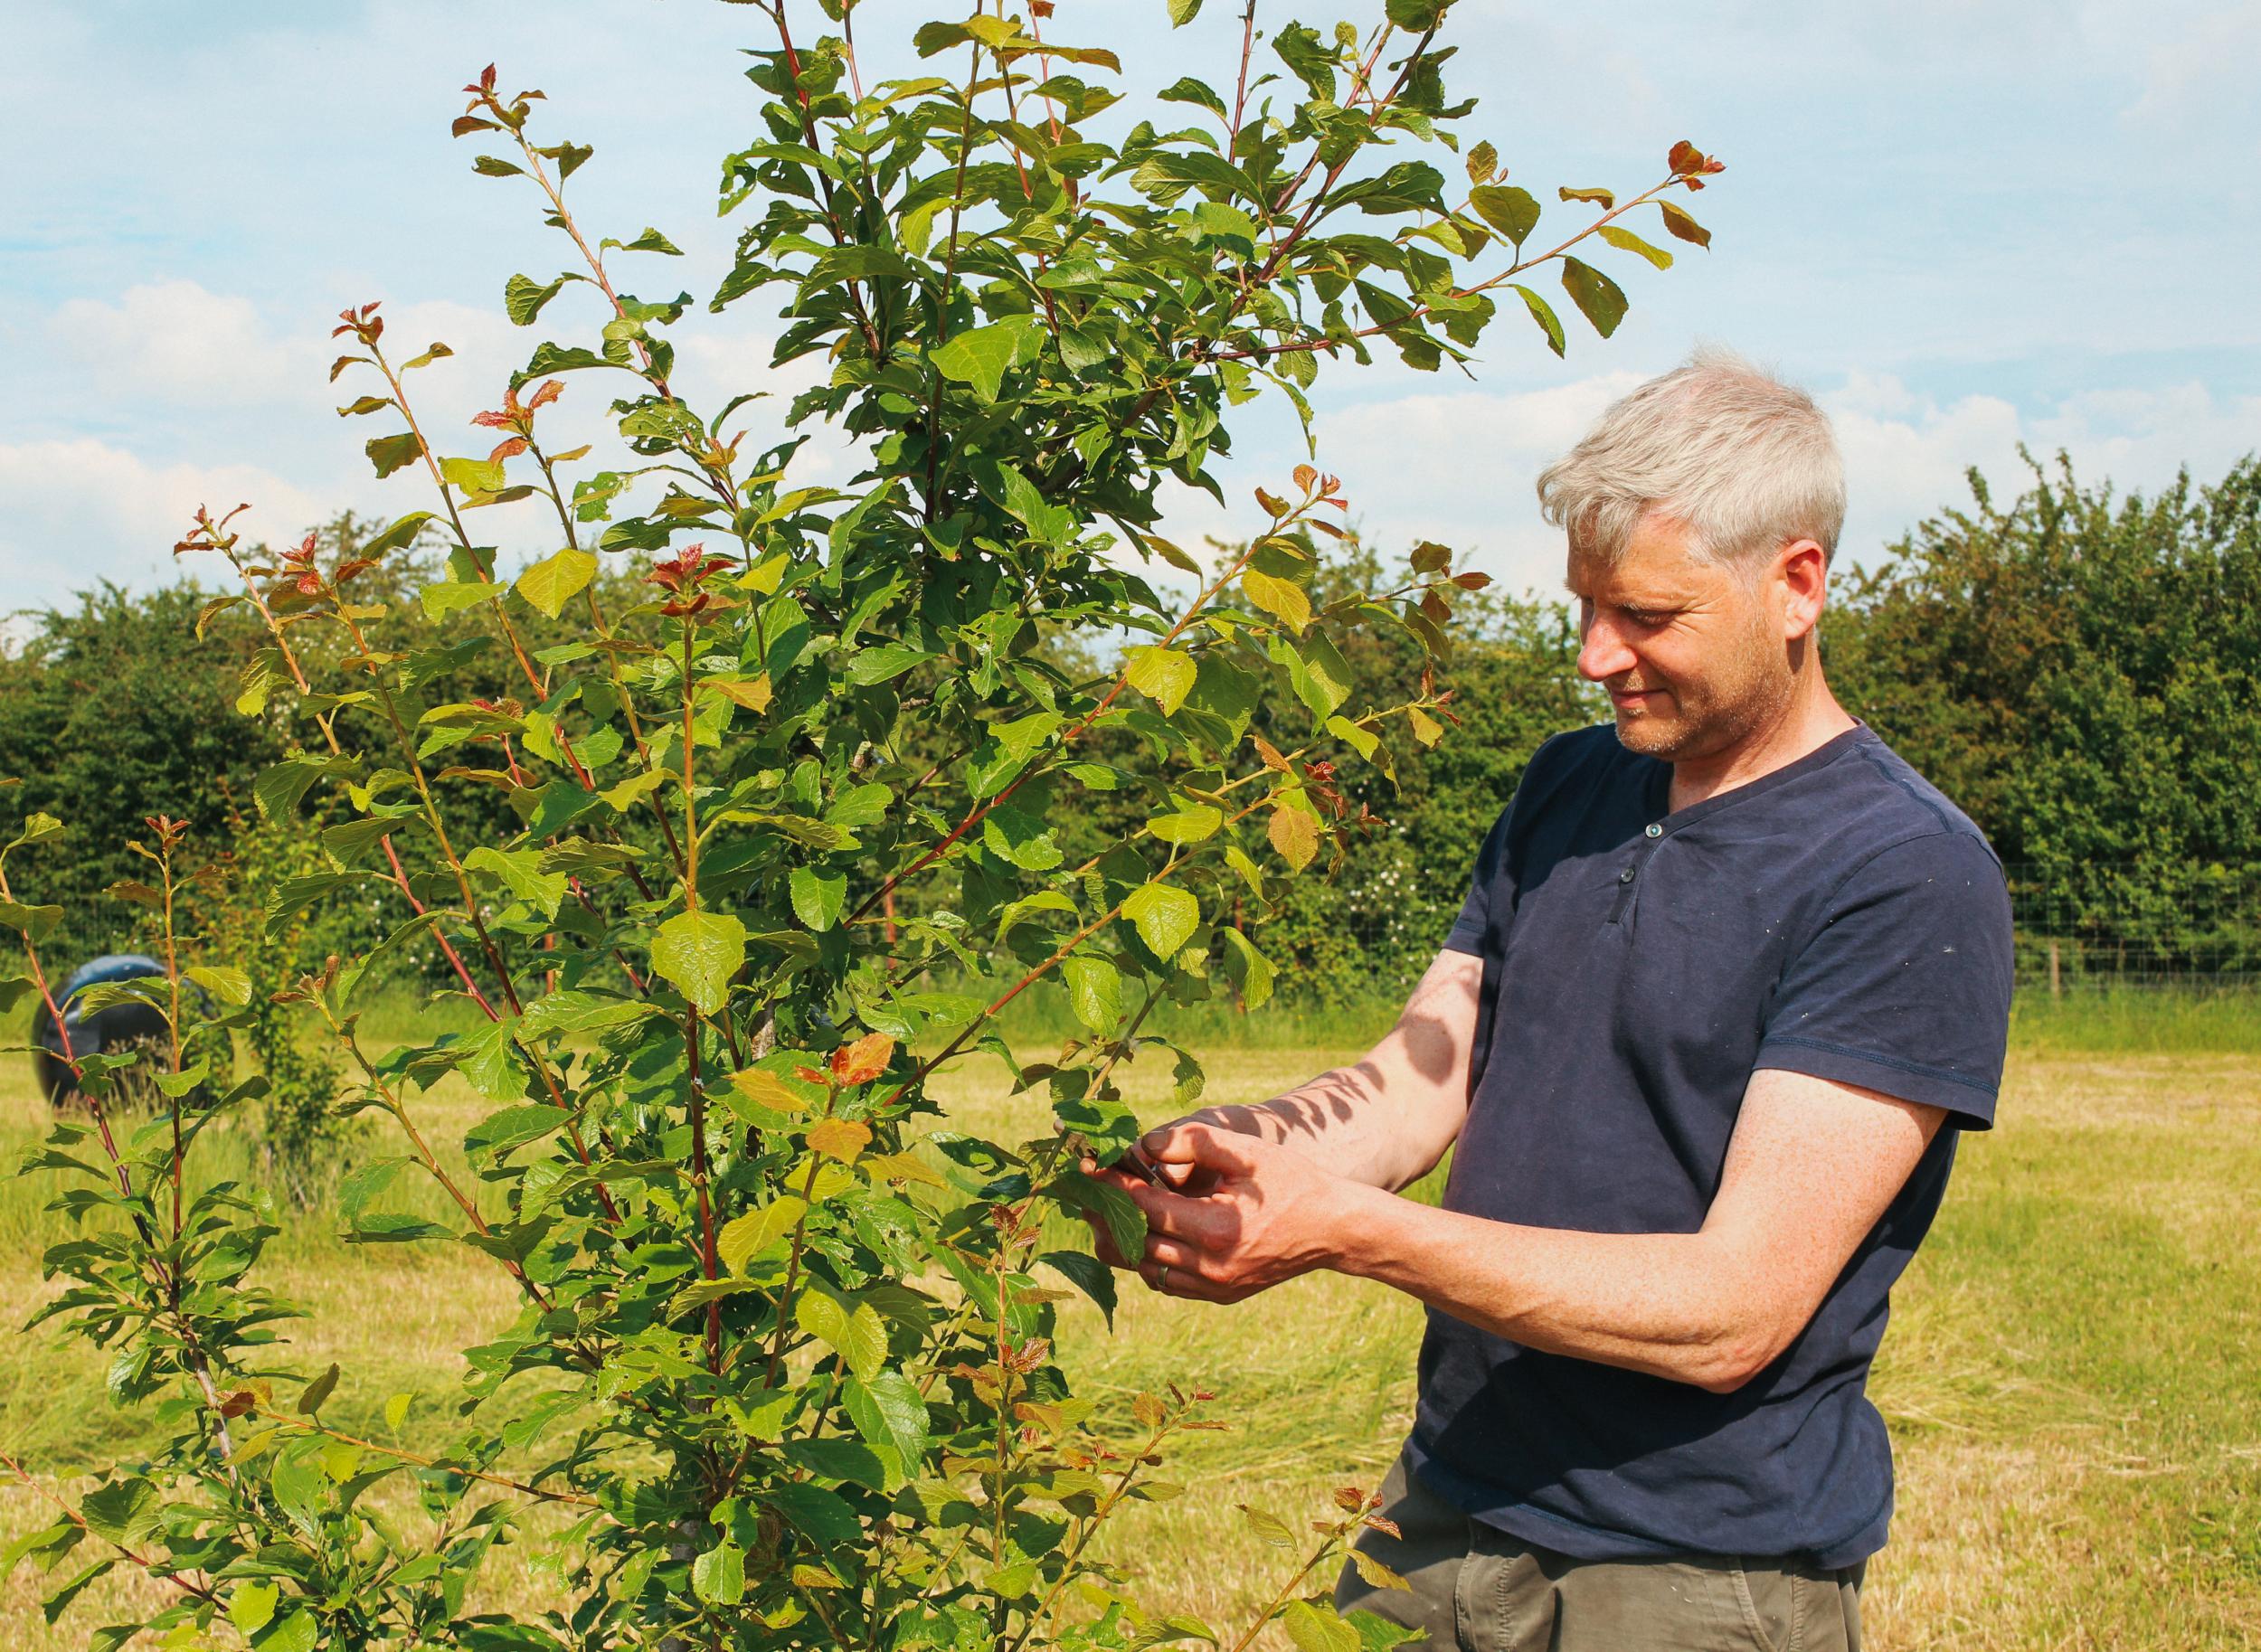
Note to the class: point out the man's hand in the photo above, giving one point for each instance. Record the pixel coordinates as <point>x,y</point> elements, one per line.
<point>1230,1215</point>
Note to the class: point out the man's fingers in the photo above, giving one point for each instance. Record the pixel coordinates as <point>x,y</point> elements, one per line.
<point>1202,1146</point>
<point>1199,1220</point>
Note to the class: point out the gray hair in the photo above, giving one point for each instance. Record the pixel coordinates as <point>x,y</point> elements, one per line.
<point>1742,461</point>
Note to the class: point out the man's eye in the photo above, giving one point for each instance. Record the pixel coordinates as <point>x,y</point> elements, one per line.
<point>1641,615</point>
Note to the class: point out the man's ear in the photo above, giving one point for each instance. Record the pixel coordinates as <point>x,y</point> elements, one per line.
<point>1802,568</point>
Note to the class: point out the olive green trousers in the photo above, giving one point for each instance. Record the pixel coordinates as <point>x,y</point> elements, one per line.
<point>1476,1589</point>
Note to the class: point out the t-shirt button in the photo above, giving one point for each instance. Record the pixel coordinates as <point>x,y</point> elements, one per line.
<point>1655,830</point>
<point>1625,876</point>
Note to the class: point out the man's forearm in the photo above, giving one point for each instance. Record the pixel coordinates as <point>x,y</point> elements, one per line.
<point>1674,1305</point>
<point>1344,1121</point>
<point>1386,1119</point>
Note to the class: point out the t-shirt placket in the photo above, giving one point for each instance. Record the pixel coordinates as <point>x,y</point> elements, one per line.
<point>1629,875</point>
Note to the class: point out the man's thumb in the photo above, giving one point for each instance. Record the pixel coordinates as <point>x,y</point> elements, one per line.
<point>1203,1145</point>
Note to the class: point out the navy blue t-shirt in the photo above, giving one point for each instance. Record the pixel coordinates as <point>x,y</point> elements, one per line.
<point>1837,917</point>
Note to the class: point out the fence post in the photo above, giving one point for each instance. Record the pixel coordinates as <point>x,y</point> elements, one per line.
<point>2057,984</point>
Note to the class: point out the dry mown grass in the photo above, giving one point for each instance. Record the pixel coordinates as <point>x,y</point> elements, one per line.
<point>2073,1375</point>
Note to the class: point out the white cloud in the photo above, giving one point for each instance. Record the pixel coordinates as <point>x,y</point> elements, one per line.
<point>2192,77</point>
<point>175,340</point>
<point>81,510</point>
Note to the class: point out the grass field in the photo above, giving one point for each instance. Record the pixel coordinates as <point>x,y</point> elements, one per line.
<point>2073,1374</point>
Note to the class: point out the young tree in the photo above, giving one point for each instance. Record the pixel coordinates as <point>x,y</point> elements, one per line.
<point>784,1372</point>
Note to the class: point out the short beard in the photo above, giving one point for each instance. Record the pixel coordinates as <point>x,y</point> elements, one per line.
<point>1749,704</point>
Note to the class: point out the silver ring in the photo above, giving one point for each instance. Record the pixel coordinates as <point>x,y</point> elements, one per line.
<point>1161,1278</point>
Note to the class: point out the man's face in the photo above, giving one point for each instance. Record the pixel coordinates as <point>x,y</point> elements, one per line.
<point>1694,654</point>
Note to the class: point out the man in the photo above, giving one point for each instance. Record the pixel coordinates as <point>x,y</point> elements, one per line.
<point>1730,980</point>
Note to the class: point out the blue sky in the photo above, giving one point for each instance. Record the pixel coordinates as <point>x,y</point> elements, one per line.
<point>1961,225</point>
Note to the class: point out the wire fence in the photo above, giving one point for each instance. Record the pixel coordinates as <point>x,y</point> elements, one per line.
<point>2102,926</point>
<point>2094,927</point>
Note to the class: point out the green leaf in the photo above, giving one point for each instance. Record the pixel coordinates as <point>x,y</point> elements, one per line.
<point>1271,1528</point>
<point>474,476</point>
<point>400,533</point>
<point>1024,839</point>
<point>1094,991</point>
<point>523,297</point>
<point>554,580</point>
<point>1544,314</point>
<point>498,1133</point>
<point>888,1411</point>
<point>888,660</point>
<point>1250,970</point>
<point>123,1511</point>
<point>1164,675</point>
<point>1190,90</point>
<point>816,898</point>
<point>251,1606</point>
<point>519,870</point>
<point>442,598</point>
<point>1374,1574</point>
<point>839,1460</point>
<point>300,1632</point>
<point>748,1236</point>
<point>697,953</point>
<point>1317,1629</point>
<point>1093,1276</point>
<point>1602,198</point>
<point>56,1604</point>
<point>33,921</point>
<point>1625,240</point>
<point>488,1061</point>
<point>718,1577</point>
<point>1283,600</point>
<point>978,357</point>
<point>1600,300</point>
<point>1513,211</point>
<point>1418,15</point>
<point>317,1391</point>
<point>817,1514</point>
<point>1183,12</point>
<point>1116,1210</point>
<point>1191,824</point>
<point>850,1328</point>
<point>391,453</point>
<point>1166,917</point>
<point>228,985</point>
<point>1377,1633</point>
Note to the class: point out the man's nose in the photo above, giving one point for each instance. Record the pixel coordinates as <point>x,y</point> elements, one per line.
<point>1603,653</point>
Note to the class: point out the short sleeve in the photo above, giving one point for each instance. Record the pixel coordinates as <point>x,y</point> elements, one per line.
<point>1905,987</point>
<point>1491,882</point>
<point>1468,930</point>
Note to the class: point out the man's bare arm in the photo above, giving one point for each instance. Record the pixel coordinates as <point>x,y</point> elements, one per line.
<point>1810,1169</point>
<point>1387,1119</point>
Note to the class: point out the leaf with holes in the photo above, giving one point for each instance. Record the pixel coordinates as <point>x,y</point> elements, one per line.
<point>1599,299</point>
